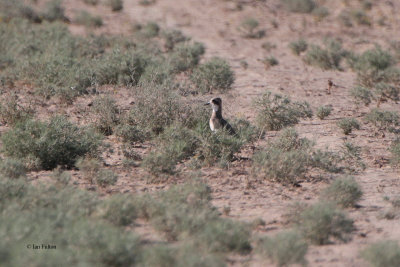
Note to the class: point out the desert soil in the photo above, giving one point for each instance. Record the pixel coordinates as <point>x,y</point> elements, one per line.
<point>215,23</point>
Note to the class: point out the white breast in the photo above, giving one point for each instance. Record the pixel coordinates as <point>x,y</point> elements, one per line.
<point>212,126</point>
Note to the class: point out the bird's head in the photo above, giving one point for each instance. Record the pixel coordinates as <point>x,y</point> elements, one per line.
<point>215,103</point>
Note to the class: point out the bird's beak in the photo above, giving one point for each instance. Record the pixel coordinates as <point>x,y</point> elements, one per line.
<point>208,103</point>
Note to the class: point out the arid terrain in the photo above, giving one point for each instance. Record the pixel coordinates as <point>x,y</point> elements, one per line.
<point>236,191</point>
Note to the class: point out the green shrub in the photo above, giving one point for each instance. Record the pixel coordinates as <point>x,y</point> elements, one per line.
<point>225,235</point>
<point>324,111</point>
<point>173,37</point>
<point>182,255</point>
<point>220,147</point>
<point>328,58</point>
<point>323,222</point>
<point>85,18</point>
<point>150,30</point>
<point>18,9</point>
<point>320,12</point>
<point>376,71</point>
<point>120,209</point>
<point>395,151</point>
<point>130,133</point>
<point>300,6</point>
<point>214,74</point>
<point>185,57</point>
<point>12,168</point>
<point>360,17</point>
<point>62,217</point>
<point>248,28</point>
<point>119,67</point>
<point>54,11</point>
<point>345,18</point>
<point>284,161</point>
<point>157,73</point>
<point>344,191</point>
<point>362,95</point>
<point>348,124</point>
<point>270,61</point>
<point>11,112</point>
<point>106,177</point>
<point>174,144</point>
<point>89,167</point>
<point>285,248</point>
<point>268,46</point>
<point>373,59</point>
<point>351,156</point>
<point>156,107</point>
<point>289,158</point>
<point>48,144</point>
<point>383,119</point>
<point>91,2</point>
<point>276,111</point>
<point>106,114</point>
<point>298,46</point>
<point>116,5</point>
<point>185,211</point>
<point>61,177</point>
<point>382,254</point>
<point>69,64</point>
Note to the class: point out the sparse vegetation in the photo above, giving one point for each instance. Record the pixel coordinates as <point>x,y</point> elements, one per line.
<point>177,143</point>
<point>11,112</point>
<point>276,111</point>
<point>344,191</point>
<point>324,111</point>
<point>328,58</point>
<point>348,124</point>
<point>89,168</point>
<point>395,150</point>
<point>268,46</point>
<point>48,144</point>
<point>376,72</point>
<point>116,5</point>
<point>184,210</point>
<point>323,223</point>
<point>383,119</point>
<point>382,254</point>
<point>150,30</point>
<point>173,37</point>
<point>54,11</point>
<point>85,18</point>
<point>270,61</point>
<point>288,159</point>
<point>284,249</point>
<point>351,156</point>
<point>300,6</point>
<point>214,74</point>
<point>298,46</point>
<point>360,17</point>
<point>106,114</point>
<point>362,95</point>
<point>106,177</point>
<point>320,13</point>
<point>248,28</point>
<point>143,86</point>
<point>12,168</point>
<point>186,57</point>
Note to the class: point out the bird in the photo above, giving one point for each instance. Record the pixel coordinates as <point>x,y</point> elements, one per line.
<point>217,121</point>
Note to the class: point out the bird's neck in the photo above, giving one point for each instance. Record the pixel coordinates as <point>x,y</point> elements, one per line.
<point>217,114</point>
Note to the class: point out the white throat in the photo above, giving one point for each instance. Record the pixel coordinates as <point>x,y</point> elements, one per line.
<point>215,108</point>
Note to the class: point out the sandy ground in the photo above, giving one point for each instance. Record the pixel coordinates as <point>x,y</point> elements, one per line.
<point>215,24</point>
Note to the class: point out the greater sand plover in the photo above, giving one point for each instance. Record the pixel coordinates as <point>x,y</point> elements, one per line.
<point>216,120</point>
